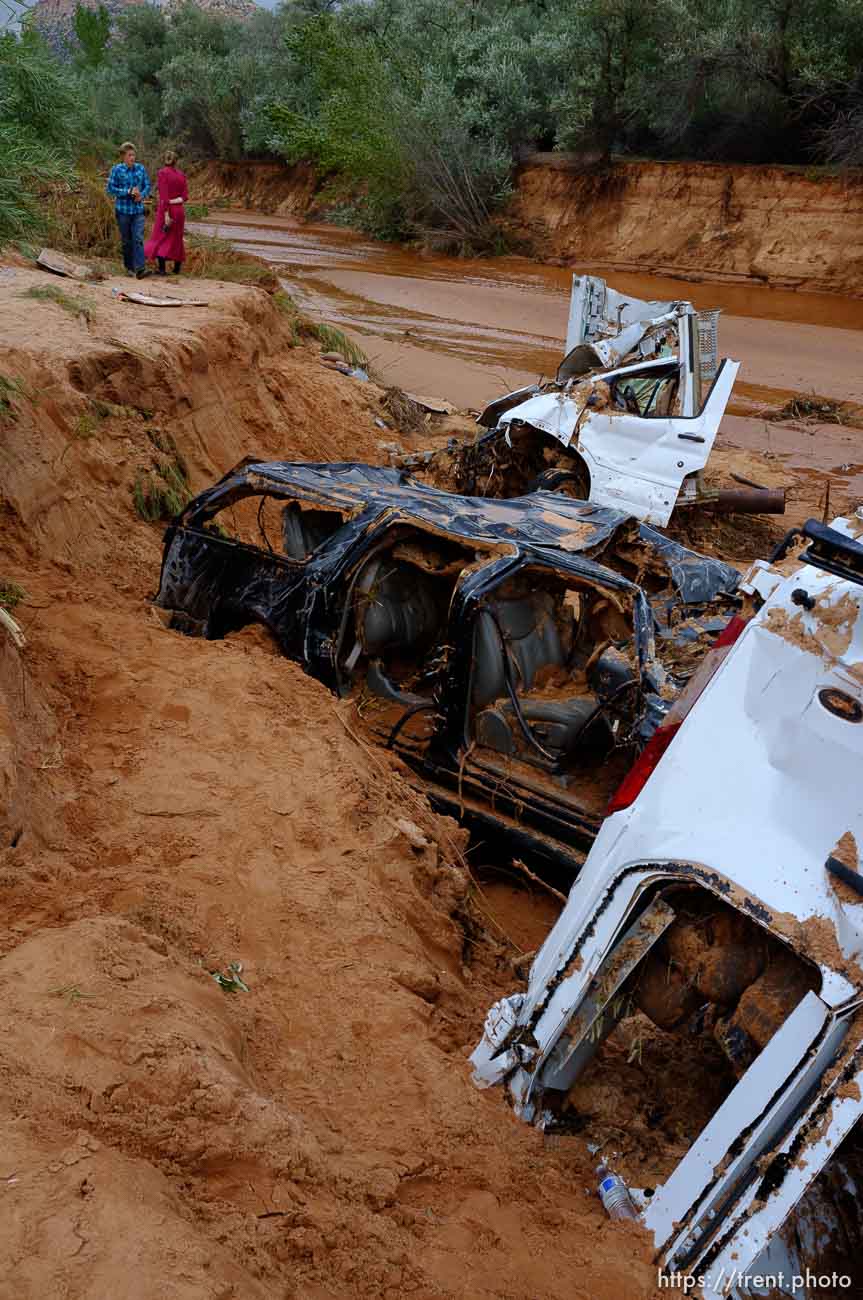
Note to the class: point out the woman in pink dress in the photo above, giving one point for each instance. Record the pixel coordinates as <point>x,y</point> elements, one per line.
<point>166,241</point>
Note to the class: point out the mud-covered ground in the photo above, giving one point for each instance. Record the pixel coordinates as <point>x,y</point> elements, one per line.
<point>170,806</point>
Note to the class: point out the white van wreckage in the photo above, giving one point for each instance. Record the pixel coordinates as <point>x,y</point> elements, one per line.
<point>724,896</point>
<point>636,405</point>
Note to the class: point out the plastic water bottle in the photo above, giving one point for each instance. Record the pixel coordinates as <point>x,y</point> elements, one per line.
<point>614,1194</point>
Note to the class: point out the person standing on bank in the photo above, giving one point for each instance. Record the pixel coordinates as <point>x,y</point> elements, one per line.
<point>128,185</point>
<point>166,241</point>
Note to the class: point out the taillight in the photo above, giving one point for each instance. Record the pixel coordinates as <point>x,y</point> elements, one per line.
<point>636,778</point>
<point>730,632</point>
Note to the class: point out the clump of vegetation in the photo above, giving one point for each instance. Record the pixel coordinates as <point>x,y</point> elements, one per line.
<point>81,215</point>
<point>233,982</point>
<point>102,409</point>
<point>86,426</point>
<point>811,410</point>
<point>419,113</point>
<point>71,993</point>
<point>159,493</point>
<point>11,593</point>
<point>40,122</point>
<point>330,338</point>
<point>162,489</point>
<point>92,31</point>
<point>333,340</point>
<point>11,393</point>
<point>76,306</point>
<point>216,259</point>
<point>285,303</point>
<point>406,414</point>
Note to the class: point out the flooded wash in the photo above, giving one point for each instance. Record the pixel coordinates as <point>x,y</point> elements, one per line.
<point>469,330</point>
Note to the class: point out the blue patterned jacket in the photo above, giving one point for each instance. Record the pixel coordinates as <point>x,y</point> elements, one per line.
<point>122,180</point>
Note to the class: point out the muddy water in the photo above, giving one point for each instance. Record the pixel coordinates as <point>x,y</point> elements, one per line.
<point>470,330</point>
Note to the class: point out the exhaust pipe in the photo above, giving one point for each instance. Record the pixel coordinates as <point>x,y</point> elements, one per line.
<point>742,501</point>
<point>751,501</point>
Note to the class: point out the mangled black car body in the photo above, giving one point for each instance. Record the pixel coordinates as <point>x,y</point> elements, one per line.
<point>517,654</point>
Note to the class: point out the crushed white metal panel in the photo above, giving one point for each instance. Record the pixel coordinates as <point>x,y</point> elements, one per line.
<point>601,1008</point>
<point>595,311</point>
<point>553,413</point>
<point>761,1213</point>
<point>628,400</point>
<point>759,786</point>
<point>694,1187</point>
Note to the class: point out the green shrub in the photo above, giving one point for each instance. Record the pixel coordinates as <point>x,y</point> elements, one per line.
<point>11,393</point>
<point>76,306</point>
<point>161,489</point>
<point>216,259</point>
<point>40,122</point>
<point>11,594</point>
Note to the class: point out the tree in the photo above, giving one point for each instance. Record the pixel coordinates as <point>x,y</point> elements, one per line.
<point>141,47</point>
<point>92,28</point>
<point>40,119</point>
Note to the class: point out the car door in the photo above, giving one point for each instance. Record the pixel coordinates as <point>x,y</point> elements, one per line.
<point>638,463</point>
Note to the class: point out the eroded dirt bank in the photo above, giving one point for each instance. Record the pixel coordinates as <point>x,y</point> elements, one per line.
<point>170,806</point>
<point>762,225</point>
<point>773,225</point>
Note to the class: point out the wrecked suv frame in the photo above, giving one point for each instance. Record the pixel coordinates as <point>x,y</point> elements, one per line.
<point>517,654</point>
<point>628,422</point>
<point>723,895</point>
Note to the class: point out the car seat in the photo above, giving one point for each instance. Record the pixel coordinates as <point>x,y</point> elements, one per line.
<point>395,613</point>
<point>516,638</point>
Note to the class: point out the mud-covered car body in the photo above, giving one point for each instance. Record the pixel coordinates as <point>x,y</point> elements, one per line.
<point>723,895</point>
<point>498,646</point>
<point>631,416</point>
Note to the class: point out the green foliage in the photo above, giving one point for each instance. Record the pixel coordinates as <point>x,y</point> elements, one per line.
<point>216,259</point>
<point>345,118</point>
<point>334,340</point>
<point>161,489</point>
<point>85,427</point>
<point>419,111</point>
<point>76,306</point>
<point>330,338</point>
<point>11,393</point>
<point>232,982</point>
<point>11,593</point>
<point>40,123</point>
<point>82,216</point>
<point>395,127</point>
<point>92,29</point>
<point>613,60</point>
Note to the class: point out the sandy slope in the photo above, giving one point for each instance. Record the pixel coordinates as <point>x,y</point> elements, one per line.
<point>169,806</point>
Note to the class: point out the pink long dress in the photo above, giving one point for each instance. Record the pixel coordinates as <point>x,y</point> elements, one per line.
<point>169,244</point>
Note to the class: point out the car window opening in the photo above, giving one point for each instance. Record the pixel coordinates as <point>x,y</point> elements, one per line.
<point>266,523</point>
<point>692,1017</point>
<point>645,395</point>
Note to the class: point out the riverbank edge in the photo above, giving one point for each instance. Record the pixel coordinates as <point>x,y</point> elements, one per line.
<point>762,225</point>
